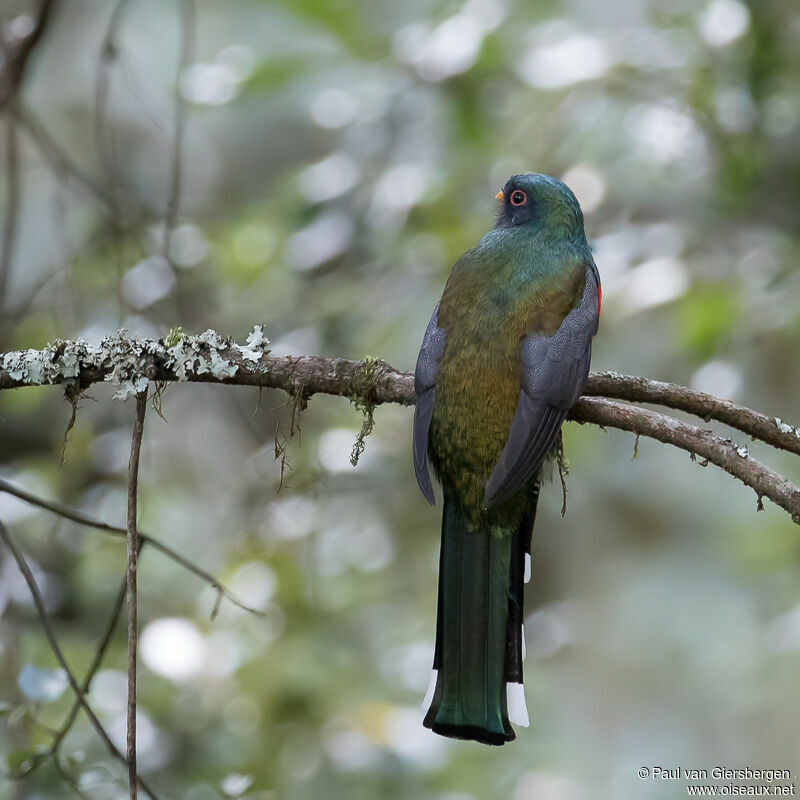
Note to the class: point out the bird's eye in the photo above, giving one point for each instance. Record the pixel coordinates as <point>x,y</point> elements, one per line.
<point>518,198</point>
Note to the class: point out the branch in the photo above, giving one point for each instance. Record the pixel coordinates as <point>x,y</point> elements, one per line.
<point>727,455</point>
<point>38,602</point>
<point>144,539</point>
<point>771,430</point>
<point>131,576</point>
<point>211,358</point>
<point>207,358</point>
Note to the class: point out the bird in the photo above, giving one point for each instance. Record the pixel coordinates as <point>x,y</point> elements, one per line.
<point>505,355</point>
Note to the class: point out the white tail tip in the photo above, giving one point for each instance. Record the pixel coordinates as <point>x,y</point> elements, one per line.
<point>517,707</point>
<point>522,637</point>
<point>428,699</point>
<point>528,570</point>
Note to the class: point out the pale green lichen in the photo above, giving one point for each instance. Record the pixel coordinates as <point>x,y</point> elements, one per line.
<point>70,365</point>
<point>58,360</point>
<point>784,427</point>
<point>174,336</point>
<point>129,364</point>
<point>131,388</point>
<point>366,406</point>
<point>256,345</point>
<point>219,367</point>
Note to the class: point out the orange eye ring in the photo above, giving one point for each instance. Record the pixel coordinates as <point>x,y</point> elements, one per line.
<point>518,198</point>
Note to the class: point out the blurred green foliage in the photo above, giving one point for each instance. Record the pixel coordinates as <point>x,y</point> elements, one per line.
<point>338,157</point>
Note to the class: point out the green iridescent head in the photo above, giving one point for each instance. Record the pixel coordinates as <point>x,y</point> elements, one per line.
<point>536,201</point>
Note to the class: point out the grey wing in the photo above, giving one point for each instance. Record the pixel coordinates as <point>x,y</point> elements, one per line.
<point>425,391</point>
<point>553,374</point>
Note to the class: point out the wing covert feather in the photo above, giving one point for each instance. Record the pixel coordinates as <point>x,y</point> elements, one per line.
<point>552,376</point>
<point>425,389</point>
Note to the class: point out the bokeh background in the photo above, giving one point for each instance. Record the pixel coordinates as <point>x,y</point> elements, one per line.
<point>338,157</point>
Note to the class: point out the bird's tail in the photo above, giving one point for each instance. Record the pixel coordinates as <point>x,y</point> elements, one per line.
<point>476,690</point>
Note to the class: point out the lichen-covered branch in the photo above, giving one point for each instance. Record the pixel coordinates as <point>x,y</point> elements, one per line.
<point>209,358</point>
<point>129,364</point>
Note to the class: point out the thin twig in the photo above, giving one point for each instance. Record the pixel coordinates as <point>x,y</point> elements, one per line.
<point>16,60</point>
<point>144,539</point>
<point>97,660</point>
<point>12,316</point>
<point>105,143</point>
<point>69,779</point>
<point>44,618</point>
<point>17,57</point>
<point>187,11</point>
<point>131,574</point>
<point>13,191</point>
<point>58,158</point>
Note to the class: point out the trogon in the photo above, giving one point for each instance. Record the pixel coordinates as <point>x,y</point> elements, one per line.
<point>504,357</point>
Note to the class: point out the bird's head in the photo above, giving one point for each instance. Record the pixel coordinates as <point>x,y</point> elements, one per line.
<point>538,201</point>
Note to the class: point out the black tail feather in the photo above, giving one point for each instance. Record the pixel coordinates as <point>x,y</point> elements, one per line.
<point>521,546</point>
<point>481,587</point>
